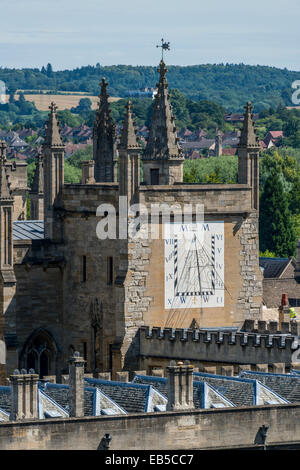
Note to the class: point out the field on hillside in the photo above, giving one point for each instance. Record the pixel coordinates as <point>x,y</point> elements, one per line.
<point>42,102</point>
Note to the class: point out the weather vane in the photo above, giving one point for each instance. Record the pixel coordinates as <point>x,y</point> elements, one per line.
<point>165,46</point>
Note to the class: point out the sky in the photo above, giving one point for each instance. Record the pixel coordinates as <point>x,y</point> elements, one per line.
<point>73,33</point>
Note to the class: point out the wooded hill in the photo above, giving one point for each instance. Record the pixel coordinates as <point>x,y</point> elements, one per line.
<point>229,85</point>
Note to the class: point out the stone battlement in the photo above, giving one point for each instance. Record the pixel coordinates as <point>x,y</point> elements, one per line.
<point>266,345</point>
<point>272,327</point>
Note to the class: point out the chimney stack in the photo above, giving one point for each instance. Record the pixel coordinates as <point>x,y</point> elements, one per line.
<point>24,395</point>
<point>284,310</point>
<point>180,386</point>
<point>76,385</point>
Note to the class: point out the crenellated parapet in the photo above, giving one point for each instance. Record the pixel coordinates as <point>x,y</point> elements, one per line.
<point>267,345</point>
<point>271,327</point>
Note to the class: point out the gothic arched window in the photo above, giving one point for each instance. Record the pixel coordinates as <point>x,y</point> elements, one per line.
<point>39,353</point>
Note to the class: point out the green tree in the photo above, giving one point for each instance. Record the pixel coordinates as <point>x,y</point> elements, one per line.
<point>72,174</point>
<point>276,230</point>
<point>191,173</point>
<point>30,173</point>
<point>294,196</point>
<point>80,155</point>
<point>223,168</point>
<point>66,117</point>
<point>267,254</point>
<point>214,177</point>
<point>84,107</point>
<point>49,70</point>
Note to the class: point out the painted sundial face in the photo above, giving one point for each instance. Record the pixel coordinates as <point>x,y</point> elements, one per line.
<point>194,265</point>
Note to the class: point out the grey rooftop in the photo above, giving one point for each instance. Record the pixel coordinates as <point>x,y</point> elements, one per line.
<point>286,385</point>
<point>28,230</point>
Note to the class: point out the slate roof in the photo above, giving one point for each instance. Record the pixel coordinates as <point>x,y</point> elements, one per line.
<point>132,397</point>
<point>285,385</point>
<point>232,141</point>
<point>241,392</point>
<point>161,384</point>
<point>200,144</point>
<point>273,267</point>
<point>28,230</point>
<point>60,394</point>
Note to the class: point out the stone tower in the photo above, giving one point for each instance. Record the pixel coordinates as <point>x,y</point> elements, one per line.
<point>163,158</point>
<point>7,275</point>
<point>37,191</point>
<point>104,140</point>
<point>248,153</point>
<point>129,159</point>
<point>219,143</point>
<point>53,166</point>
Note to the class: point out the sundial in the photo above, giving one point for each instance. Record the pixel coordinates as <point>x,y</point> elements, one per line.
<point>194,265</point>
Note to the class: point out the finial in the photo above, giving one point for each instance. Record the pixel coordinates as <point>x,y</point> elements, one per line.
<point>162,70</point>
<point>53,107</point>
<point>249,107</point>
<point>165,46</point>
<point>128,134</point>
<point>248,136</point>
<point>103,85</point>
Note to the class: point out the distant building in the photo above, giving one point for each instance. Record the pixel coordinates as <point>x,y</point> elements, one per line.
<point>279,277</point>
<point>238,117</point>
<point>273,139</point>
<point>146,92</point>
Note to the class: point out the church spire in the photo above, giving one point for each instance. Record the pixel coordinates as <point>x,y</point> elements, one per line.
<point>248,157</point>
<point>104,138</point>
<point>36,194</point>
<point>53,138</point>
<point>129,159</point>
<point>248,138</point>
<point>163,158</point>
<point>38,178</point>
<point>53,169</point>
<point>5,193</point>
<point>128,137</point>
<point>162,142</point>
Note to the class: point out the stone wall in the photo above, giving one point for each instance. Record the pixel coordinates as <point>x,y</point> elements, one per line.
<point>249,302</point>
<point>217,198</point>
<point>198,429</point>
<point>38,268</point>
<point>89,304</point>
<point>158,347</point>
